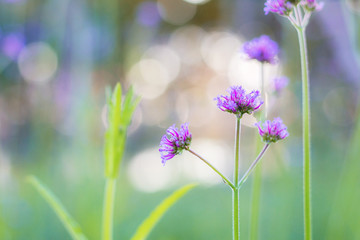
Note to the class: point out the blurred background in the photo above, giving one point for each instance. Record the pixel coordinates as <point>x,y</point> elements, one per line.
<point>57,57</point>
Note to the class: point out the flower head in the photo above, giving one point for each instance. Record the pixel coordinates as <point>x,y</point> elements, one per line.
<point>280,83</point>
<point>239,101</point>
<point>281,7</point>
<point>262,49</point>
<point>312,5</point>
<point>272,131</point>
<point>174,142</point>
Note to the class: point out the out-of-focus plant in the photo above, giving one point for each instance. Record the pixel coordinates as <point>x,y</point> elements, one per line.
<point>344,215</point>
<point>342,224</point>
<point>238,102</point>
<point>119,116</point>
<point>264,50</point>
<point>120,112</point>
<point>299,12</point>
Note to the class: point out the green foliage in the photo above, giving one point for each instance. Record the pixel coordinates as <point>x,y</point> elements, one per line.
<point>120,112</point>
<point>149,223</point>
<point>70,224</point>
<point>344,218</point>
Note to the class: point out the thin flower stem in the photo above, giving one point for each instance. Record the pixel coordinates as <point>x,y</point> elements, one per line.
<point>226,180</point>
<point>253,165</point>
<point>294,21</point>
<point>108,210</point>
<point>257,177</point>
<point>237,150</point>
<point>255,197</point>
<point>236,199</point>
<point>306,18</point>
<point>236,217</point>
<point>263,92</point>
<point>300,14</point>
<point>306,131</point>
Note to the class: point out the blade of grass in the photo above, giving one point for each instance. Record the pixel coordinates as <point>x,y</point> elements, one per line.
<point>70,224</point>
<point>149,223</point>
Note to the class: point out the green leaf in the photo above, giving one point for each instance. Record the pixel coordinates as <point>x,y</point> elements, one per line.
<point>120,112</point>
<point>70,224</point>
<point>149,223</point>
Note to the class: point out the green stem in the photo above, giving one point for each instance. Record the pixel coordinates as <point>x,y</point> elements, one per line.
<point>255,197</point>
<point>306,131</point>
<point>237,151</point>
<point>256,184</point>
<point>253,165</point>
<point>236,218</point>
<point>108,210</point>
<point>226,180</point>
<point>236,200</point>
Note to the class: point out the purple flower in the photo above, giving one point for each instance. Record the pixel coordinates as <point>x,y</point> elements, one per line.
<point>272,131</point>
<point>239,102</point>
<point>262,49</point>
<point>148,14</point>
<point>281,7</point>
<point>174,142</point>
<point>12,44</point>
<point>280,83</point>
<point>312,5</point>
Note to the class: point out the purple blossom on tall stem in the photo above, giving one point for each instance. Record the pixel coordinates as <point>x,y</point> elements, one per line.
<point>281,7</point>
<point>239,101</point>
<point>299,17</point>
<point>262,49</point>
<point>273,131</point>
<point>174,142</point>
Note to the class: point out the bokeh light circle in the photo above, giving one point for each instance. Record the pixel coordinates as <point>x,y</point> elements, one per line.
<point>176,12</point>
<point>37,63</point>
<point>149,77</point>
<point>197,1</point>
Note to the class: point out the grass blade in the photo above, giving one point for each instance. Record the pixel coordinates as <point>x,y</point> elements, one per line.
<point>70,224</point>
<point>149,223</point>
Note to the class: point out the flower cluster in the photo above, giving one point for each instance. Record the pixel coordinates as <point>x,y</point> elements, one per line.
<point>262,49</point>
<point>272,131</point>
<point>280,83</point>
<point>239,101</point>
<point>174,142</point>
<point>281,7</point>
<point>312,5</point>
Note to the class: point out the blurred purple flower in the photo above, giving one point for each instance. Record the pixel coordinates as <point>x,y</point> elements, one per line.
<point>281,7</point>
<point>147,14</point>
<point>174,142</point>
<point>312,5</point>
<point>272,131</point>
<point>280,83</point>
<point>239,102</point>
<point>262,49</point>
<point>12,45</point>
